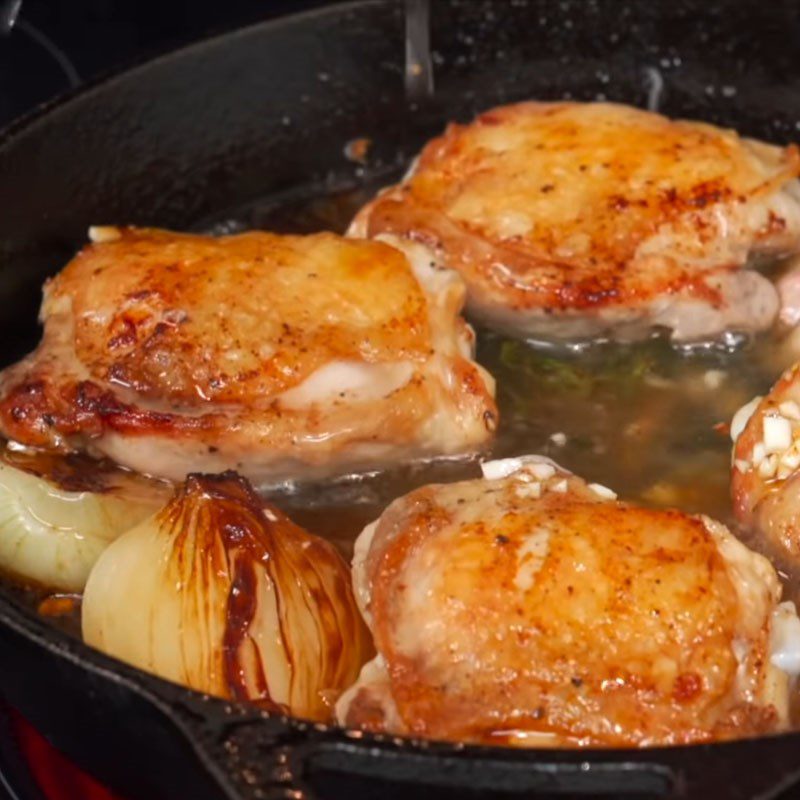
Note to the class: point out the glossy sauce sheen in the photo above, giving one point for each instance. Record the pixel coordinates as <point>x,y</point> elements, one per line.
<point>646,420</point>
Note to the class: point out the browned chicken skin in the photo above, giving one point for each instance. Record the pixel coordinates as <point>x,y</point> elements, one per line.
<point>534,609</point>
<point>568,220</point>
<point>765,477</point>
<point>281,356</point>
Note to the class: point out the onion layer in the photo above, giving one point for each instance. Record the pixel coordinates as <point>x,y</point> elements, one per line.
<point>53,536</point>
<point>223,593</point>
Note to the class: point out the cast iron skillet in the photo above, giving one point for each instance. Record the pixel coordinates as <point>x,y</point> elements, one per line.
<point>266,110</point>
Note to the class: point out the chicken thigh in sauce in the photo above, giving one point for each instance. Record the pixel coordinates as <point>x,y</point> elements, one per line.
<point>574,220</point>
<point>534,609</point>
<point>765,477</point>
<point>280,356</point>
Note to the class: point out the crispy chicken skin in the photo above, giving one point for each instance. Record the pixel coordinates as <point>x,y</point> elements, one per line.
<point>570,220</point>
<point>532,609</point>
<point>765,478</point>
<point>280,356</point>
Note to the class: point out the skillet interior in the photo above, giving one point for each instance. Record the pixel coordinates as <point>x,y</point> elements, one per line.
<point>187,138</point>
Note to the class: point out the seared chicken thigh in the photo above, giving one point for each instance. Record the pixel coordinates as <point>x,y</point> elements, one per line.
<point>765,478</point>
<point>280,356</point>
<point>571,220</point>
<point>533,609</point>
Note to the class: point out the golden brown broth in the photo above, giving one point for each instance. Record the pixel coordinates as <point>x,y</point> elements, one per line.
<point>645,419</point>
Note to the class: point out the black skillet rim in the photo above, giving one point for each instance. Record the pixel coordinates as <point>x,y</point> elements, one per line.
<point>168,697</point>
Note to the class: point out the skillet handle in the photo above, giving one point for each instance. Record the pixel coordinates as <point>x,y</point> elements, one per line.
<point>335,768</point>
<point>258,757</point>
<point>330,766</point>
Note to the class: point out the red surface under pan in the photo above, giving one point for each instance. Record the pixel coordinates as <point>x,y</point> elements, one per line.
<point>52,772</point>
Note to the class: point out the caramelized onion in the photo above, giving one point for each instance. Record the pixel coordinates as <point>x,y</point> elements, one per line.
<point>223,593</point>
<point>53,536</point>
